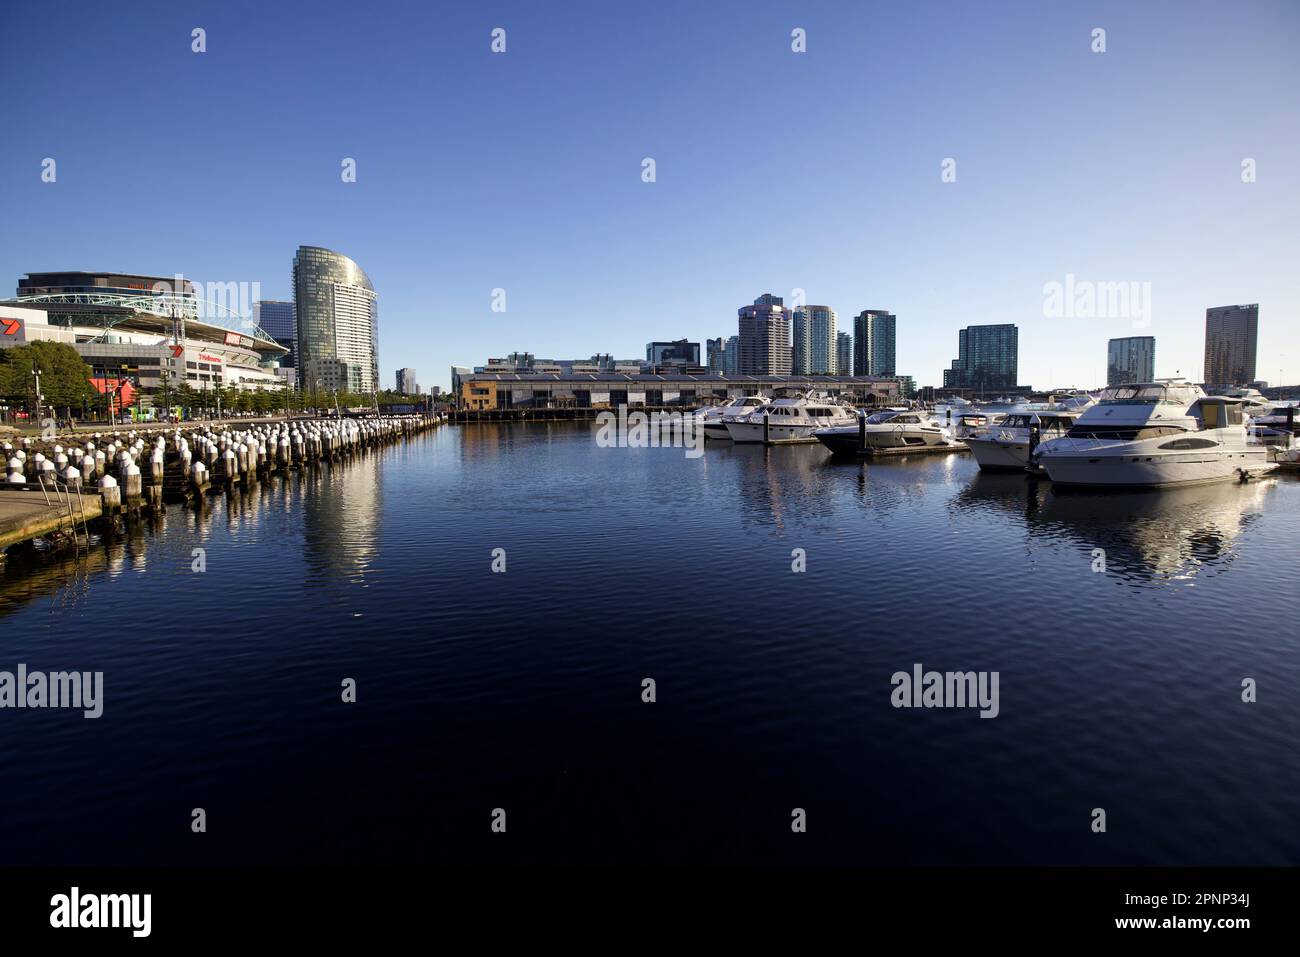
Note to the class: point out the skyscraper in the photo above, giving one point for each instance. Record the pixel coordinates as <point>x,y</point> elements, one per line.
<point>988,357</point>
<point>717,354</point>
<point>1231,335</point>
<point>731,362</point>
<point>338,322</point>
<point>277,319</point>
<point>874,342</point>
<point>800,340</point>
<point>813,349</point>
<point>765,337</point>
<point>843,354</point>
<point>1131,360</point>
<point>406,384</point>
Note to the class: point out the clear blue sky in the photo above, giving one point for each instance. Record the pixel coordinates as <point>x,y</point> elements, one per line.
<point>775,170</point>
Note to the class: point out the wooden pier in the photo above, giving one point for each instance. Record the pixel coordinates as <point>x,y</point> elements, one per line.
<point>52,496</point>
<point>950,449</point>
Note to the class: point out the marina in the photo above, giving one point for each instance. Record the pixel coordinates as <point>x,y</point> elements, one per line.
<point>380,568</point>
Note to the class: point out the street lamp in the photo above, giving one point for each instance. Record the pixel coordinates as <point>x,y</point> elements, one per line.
<point>36,374</point>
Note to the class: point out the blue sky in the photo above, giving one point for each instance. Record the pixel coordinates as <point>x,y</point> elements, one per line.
<point>775,170</point>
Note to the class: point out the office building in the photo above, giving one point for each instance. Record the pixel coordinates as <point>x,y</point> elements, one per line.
<point>1231,336</point>
<point>716,354</point>
<point>679,353</point>
<point>338,323</point>
<point>278,320</point>
<point>988,359</point>
<point>843,354</point>
<point>800,342</point>
<point>1131,360</point>
<point>406,384</point>
<point>731,360</point>
<point>765,337</point>
<point>874,342</point>
<point>812,349</point>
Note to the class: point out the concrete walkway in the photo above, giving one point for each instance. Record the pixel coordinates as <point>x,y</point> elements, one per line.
<point>25,514</point>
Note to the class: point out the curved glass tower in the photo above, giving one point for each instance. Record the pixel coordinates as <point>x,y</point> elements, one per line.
<point>338,323</point>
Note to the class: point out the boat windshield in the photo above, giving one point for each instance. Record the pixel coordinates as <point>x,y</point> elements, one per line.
<point>1149,394</point>
<point>1134,395</point>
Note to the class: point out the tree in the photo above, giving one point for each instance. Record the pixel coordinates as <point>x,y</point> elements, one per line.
<point>186,396</point>
<point>65,378</point>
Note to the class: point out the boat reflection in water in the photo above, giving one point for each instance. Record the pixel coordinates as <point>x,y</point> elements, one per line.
<point>1148,536</point>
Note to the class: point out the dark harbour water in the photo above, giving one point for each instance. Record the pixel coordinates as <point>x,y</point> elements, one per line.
<point>522,690</point>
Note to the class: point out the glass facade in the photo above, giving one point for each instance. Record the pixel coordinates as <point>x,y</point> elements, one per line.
<point>279,321</point>
<point>813,350</point>
<point>679,352</point>
<point>1231,336</point>
<point>874,348</point>
<point>988,357</point>
<point>338,322</point>
<point>1131,360</point>
<point>844,354</point>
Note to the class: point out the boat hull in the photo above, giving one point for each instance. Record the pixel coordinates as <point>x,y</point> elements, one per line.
<point>840,442</point>
<point>717,431</point>
<point>877,438</point>
<point>996,454</point>
<point>742,432</point>
<point>1154,470</point>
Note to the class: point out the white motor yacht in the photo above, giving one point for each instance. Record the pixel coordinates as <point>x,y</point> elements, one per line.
<point>1279,416</point>
<point>970,422</point>
<point>791,420</point>
<point>715,418</point>
<point>1253,402</point>
<point>1154,434</point>
<point>891,429</point>
<point>1009,443</point>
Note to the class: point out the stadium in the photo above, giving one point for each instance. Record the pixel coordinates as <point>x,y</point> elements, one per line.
<point>147,334</point>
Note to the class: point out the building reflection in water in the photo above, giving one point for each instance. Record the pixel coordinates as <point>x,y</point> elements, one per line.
<point>341,506</point>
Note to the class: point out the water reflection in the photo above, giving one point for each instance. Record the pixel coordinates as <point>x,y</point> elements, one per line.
<point>1149,536</point>
<point>341,506</point>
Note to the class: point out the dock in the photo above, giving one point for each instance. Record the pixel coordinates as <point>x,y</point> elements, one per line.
<point>54,496</point>
<point>29,513</point>
<point>870,453</point>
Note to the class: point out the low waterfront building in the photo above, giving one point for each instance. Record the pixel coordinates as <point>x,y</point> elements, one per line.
<point>491,391</point>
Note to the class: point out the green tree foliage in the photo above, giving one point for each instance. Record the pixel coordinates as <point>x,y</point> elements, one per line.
<point>65,378</point>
